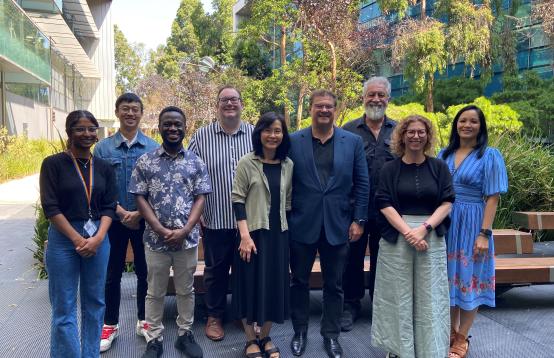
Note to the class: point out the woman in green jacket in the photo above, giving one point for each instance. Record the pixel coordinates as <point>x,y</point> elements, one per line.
<point>261,197</point>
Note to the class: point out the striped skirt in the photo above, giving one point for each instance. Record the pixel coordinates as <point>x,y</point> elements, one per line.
<point>411,306</point>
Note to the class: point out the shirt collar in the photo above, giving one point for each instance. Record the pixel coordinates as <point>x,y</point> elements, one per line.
<point>161,152</point>
<point>120,139</point>
<point>387,122</point>
<point>218,128</point>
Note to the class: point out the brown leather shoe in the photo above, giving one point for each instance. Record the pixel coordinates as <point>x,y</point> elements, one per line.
<point>214,329</point>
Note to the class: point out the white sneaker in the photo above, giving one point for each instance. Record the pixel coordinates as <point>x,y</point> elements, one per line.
<point>108,335</point>
<point>142,328</point>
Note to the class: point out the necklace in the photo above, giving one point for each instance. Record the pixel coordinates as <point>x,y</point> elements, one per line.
<point>83,162</point>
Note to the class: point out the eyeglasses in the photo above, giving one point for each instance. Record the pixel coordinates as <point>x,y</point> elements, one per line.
<point>324,106</point>
<point>420,133</point>
<point>85,129</point>
<point>233,100</point>
<point>270,131</point>
<point>380,95</point>
<point>133,110</point>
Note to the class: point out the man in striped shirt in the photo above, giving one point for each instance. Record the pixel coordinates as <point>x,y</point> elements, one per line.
<point>220,145</point>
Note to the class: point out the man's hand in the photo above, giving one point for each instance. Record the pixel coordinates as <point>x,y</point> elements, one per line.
<point>131,219</point>
<point>176,237</point>
<point>355,232</point>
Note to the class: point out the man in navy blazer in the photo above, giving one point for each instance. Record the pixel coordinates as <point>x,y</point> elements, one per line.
<point>329,208</point>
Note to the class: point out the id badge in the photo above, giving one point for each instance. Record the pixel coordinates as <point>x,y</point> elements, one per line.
<point>90,228</point>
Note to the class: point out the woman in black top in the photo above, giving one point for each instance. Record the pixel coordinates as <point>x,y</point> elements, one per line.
<point>78,194</point>
<point>261,196</point>
<point>411,301</point>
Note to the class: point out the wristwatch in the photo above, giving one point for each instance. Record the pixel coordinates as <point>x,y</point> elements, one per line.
<point>360,222</point>
<point>428,227</point>
<point>486,233</point>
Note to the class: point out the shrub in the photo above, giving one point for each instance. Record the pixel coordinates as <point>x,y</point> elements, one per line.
<point>530,167</point>
<point>39,239</point>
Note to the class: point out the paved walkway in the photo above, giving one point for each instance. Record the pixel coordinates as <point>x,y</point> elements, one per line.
<point>521,326</point>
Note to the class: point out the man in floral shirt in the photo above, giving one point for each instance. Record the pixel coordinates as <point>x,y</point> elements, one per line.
<point>170,184</point>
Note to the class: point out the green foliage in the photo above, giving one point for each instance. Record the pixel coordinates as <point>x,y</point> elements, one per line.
<point>533,98</point>
<point>128,63</point>
<point>251,58</point>
<point>530,167</point>
<point>500,117</point>
<point>39,239</point>
<point>398,6</point>
<point>21,156</point>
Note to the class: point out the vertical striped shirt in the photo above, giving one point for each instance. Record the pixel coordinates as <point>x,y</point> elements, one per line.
<point>221,153</point>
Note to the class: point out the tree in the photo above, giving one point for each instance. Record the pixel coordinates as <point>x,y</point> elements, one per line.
<point>468,32</point>
<point>128,62</point>
<point>222,36</point>
<point>420,47</point>
<point>400,7</point>
<point>543,11</point>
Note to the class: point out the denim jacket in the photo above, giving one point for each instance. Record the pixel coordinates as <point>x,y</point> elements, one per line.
<point>123,160</point>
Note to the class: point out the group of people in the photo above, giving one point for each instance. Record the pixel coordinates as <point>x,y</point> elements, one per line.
<point>267,203</point>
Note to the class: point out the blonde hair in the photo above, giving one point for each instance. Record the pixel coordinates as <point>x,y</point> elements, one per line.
<point>398,146</point>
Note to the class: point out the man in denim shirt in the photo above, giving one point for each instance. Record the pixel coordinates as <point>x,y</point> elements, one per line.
<point>122,150</point>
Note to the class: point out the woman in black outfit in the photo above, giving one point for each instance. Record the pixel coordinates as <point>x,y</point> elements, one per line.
<point>261,196</point>
<point>411,302</point>
<point>78,194</point>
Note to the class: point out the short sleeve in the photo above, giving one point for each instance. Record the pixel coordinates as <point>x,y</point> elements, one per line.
<point>193,144</point>
<point>109,199</point>
<point>202,182</point>
<point>383,195</point>
<point>139,184</point>
<point>495,177</point>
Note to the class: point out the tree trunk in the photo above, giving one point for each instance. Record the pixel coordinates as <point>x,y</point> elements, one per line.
<point>333,66</point>
<point>429,100</point>
<point>283,51</point>
<point>301,95</point>
<point>423,9</point>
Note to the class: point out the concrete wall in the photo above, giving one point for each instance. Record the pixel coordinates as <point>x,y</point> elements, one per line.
<point>28,117</point>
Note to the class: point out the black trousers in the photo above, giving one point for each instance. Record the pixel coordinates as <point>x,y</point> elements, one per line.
<point>353,281</point>
<point>332,260</point>
<point>219,247</point>
<point>119,236</point>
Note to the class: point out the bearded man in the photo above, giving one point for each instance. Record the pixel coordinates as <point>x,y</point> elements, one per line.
<point>375,128</point>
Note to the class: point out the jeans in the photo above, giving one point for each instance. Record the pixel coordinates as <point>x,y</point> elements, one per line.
<point>67,271</point>
<point>119,237</point>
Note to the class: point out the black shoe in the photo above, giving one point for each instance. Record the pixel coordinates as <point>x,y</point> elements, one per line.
<point>188,345</point>
<point>332,347</point>
<point>298,343</point>
<point>349,316</point>
<point>154,349</point>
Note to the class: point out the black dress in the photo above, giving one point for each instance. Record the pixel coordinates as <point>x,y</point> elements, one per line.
<point>261,287</point>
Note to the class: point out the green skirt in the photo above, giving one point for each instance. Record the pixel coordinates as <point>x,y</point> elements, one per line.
<point>411,308</point>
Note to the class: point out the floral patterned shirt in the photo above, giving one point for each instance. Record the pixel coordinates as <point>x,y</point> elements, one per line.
<point>170,185</point>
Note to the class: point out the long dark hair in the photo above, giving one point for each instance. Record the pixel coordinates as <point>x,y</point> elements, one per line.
<point>265,121</point>
<point>482,136</point>
<point>73,117</point>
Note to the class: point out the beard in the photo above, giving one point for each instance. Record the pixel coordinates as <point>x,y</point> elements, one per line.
<point>375,113</point>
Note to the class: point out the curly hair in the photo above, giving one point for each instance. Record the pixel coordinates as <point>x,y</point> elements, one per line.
<point>398,147</point>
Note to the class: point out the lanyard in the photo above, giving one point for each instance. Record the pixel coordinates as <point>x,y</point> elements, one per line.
<point>88,190</point>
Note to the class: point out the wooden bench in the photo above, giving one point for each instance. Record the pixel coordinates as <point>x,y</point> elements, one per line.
<point>524,270</point>
<point>508,241</point>
<point>533,220</point>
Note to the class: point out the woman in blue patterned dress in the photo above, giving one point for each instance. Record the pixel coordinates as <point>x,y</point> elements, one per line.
<point>479,177</point>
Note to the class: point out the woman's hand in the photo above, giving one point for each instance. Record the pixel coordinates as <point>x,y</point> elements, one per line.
<point>246,248</point>
<point>481,245</point>
<point>416,235</point>
<point>90,246</point>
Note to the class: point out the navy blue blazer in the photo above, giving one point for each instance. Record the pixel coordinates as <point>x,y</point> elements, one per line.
<point>345,198</point>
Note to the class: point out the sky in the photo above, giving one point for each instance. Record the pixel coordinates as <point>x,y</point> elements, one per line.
<point>147,21</point>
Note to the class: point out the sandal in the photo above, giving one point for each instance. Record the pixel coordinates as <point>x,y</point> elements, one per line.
<point>452,335</point>
<point>259,354</point>
<point>459,347</point>
<point>270,351</point>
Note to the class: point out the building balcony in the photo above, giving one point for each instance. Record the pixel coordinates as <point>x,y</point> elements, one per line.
<point>22,44</point>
